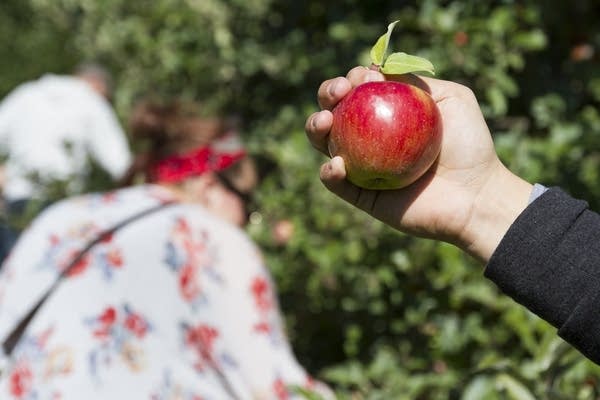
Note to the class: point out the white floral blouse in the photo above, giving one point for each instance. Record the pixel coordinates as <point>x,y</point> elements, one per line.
<point>175,305</point>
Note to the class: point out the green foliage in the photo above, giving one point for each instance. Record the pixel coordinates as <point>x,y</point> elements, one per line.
<point>375,313</point>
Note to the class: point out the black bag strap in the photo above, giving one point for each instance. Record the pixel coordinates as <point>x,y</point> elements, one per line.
<point>13,337</point>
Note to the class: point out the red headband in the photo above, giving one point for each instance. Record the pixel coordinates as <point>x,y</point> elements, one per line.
<point>217,157</point>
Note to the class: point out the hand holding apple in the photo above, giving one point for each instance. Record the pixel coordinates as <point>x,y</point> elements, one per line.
<point>467,197</point>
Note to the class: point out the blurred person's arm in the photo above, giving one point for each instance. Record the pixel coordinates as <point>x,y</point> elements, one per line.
<point>107,142</point>
<point>12,106</point>
<point>4,133</point>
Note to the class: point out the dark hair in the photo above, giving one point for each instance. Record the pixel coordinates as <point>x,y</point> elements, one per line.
<point>164,128</point>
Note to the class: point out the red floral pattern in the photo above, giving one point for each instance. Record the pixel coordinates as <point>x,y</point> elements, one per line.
<point>108,256</point>
<point>27,373</point>
<point>119,333</point>
<point>201,340</point>
<point>184,302</point>
<point>264,302</point>
<point>263,297</point>
<point>20,380</point>
<point>187,255</point>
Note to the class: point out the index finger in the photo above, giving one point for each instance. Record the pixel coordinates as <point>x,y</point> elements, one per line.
<point>331,92</point>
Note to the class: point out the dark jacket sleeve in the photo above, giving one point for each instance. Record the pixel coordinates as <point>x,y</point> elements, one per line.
<point>549,261</point>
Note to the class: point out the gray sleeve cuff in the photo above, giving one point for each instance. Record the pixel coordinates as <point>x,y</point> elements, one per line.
<point>536,192</point>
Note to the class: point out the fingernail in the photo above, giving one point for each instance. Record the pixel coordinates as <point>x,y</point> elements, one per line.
<point>313,122</point>
<point>331,88</point>
<point>326,170</point>
<point>336,159</point>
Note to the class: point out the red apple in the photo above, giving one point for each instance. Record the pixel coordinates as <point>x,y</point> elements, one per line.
<point>388,133</point>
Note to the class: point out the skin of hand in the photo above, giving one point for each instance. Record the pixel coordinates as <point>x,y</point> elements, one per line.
<point>467,198</point>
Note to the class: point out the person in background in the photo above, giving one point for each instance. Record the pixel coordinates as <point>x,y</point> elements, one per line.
<point>540,245</point>
<point>50,129</point>
<point>52,126</point>
<point>176,304</point>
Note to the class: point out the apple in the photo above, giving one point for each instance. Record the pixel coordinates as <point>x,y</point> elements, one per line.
<point>388,133</point>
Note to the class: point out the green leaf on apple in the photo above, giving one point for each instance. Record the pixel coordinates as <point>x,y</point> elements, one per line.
<point>397,63</point>
<point>402,63</point>
<point>379,50</point>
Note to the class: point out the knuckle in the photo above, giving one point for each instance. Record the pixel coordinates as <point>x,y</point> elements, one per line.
<point>464,92</point>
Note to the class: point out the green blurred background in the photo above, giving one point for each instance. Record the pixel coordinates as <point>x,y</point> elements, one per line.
<point>375,313</point>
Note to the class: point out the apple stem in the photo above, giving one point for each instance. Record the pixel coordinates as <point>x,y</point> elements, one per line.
<point>375,67</point>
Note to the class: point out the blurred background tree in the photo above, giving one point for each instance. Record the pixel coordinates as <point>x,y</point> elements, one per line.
<point>377,314</point>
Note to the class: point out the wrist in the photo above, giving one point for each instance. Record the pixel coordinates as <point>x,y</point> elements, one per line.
<point>494,209</point>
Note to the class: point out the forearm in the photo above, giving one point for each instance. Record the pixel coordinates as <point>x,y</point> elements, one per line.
<point>548,261</point>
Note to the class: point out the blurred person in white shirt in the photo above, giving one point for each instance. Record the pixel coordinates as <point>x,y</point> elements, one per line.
<point>51,127</point>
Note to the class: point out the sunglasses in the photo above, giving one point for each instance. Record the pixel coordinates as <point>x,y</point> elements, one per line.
<point>245,197</point>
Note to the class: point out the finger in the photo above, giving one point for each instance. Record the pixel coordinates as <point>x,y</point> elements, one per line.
<point>331,91</point>
<point>359,75</point>
<point>317,129</point>
<point>333,176</point>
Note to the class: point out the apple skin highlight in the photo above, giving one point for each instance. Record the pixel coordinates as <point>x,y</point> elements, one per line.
<point>388,133</point>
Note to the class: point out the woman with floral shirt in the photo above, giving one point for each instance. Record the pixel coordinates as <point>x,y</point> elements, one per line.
<point>176,304</point>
